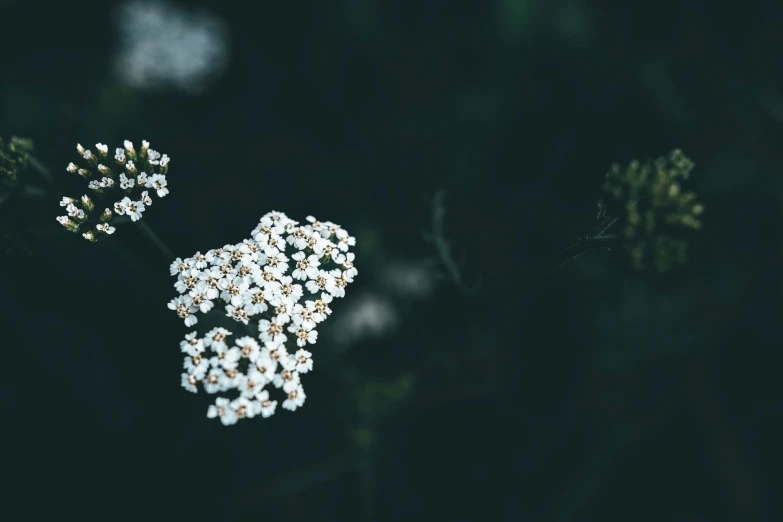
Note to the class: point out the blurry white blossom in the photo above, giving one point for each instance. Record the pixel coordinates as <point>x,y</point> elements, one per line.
<point>410,279</point>
<point>165,46</point>
<point>286,301</point>
<point>366,316</point>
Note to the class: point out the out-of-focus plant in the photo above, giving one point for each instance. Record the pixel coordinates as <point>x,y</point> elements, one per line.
<point>652,209</point>
<point>14,155</point>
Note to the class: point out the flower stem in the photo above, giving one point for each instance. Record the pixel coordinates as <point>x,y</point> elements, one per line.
<point>580,247</point>
<point>154,239</point>
<point>42,169</point>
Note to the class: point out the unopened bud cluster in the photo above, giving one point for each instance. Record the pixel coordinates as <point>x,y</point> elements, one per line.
<point>654,209</point>
<point>123,183</point>
<point>14,154</point>
<point>284,297</point>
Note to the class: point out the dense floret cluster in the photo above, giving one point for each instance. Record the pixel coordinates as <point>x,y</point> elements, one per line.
<point>283,280</point>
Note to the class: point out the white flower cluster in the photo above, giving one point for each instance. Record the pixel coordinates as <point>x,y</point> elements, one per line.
<point>257,280</point>
<point>136,171</point>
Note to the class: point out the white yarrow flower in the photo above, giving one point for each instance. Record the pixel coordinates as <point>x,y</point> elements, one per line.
<point>256,280</point>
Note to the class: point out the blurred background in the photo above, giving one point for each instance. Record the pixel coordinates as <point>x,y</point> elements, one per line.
<point>464,144</point>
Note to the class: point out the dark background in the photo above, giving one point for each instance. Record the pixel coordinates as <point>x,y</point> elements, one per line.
<point>598,393</point>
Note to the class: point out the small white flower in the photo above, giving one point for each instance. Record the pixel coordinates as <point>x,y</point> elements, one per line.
<point>323,282</point>
<point>237,314</point>
<point>283,307</point>
<point>267,406</point>
<point>266,366</point>
<point>275,352</point>
<point>296,399</point>
<point>303,315</point>
<point>119,207</point>
<point>306,266</point>
<point>288,379</point>
<point>183,305</point>
<point>133,208</point>
<point>233,291</point>
<point>304,361</point>
<point>248,348</point>
<point>245,408</point>
<point>271,331</point>
<point>106,183</point>
<point>88,155</point>
<point>154,157</point>
<point>126,183</point>
<point>223,410</point>
<point>189,382</point>
<point>251,384</point>
<point>213,382</point>
<point>103,149</point>
<point>228,359</point>
<point>303,336</point>
<point>200,260</point>
<point>344,240</point>
<point>196,365</point>
<point>141,179</point>
<point>130,167</point>
<point>74,212</point>
<point>349,270</point>
<point>128,145</point>
<point>164,160</point>
<point>187,280</point>
<point>146,199</point>
<point>216,339</point>
<point>158,182</point>
<point>212,277</point>
<point>230,379</point>
<point>254,302</point>
<point>338,288</point>
<point>317,225</point>
<point>178,266</point>
<point>192,345</point>
<point>119,155</point>
<point>72,168</point>
<point>299,237</point>
<point>321,306</point>
<point>213,256</point>
<point>200,297</point>
<point>105,228</point>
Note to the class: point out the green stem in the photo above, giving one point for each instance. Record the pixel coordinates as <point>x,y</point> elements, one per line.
<point>155,240</point>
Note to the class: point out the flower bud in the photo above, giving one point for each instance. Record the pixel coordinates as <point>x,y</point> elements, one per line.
<point>68,224</point>
<point>87,204</point>
<point>105,171</point>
